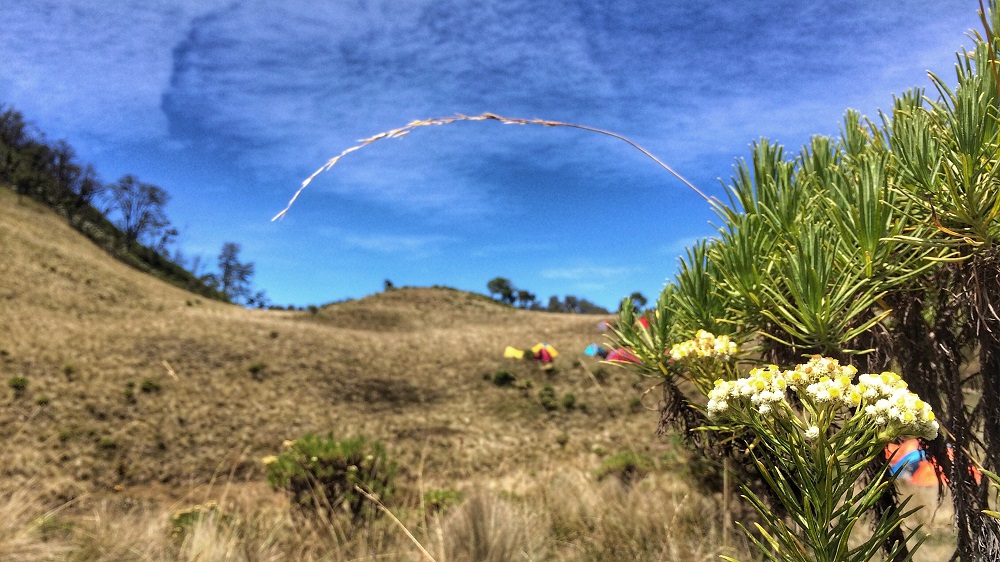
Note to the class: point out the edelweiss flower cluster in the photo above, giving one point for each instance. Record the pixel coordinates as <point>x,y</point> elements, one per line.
<point>883,398</point>
<point>826,380</point>
<point>763,387</point>
<point>705,344</point>
<point>891,404</point>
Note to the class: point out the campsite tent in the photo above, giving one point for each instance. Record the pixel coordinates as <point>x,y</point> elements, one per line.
<point>594,349</point>
<point>622,354</point>
<point>905,458</point>
<point>912,464</point>
<point>544,352</point>
<point>513,353</point>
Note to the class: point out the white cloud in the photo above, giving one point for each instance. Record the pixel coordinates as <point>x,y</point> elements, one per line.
<point>585,272</point>
<point>410,246</point>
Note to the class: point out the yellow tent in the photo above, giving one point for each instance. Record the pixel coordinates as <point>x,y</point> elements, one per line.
<point>551,350</point>
<point>511,353</point>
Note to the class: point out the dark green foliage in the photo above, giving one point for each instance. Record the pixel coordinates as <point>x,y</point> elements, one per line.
<point>547,398</point>
<point>256,369</point>
<point>569,401</point>
<point>18,383</point>
<point>562,439</point>
<point>320,474</point>
<point>574,305</point>
<point>629,467</point>
<point>502,287</point>
<point>504,377</point>
<point>150,386</point>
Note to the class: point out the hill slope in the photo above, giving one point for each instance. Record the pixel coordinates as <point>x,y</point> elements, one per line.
<point>136,384</point>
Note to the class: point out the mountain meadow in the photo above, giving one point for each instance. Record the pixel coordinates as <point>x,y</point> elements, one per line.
<point>838,335</point>
<point>137,417</point>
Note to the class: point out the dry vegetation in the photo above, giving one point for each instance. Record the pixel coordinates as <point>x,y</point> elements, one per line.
<point>143,401</point>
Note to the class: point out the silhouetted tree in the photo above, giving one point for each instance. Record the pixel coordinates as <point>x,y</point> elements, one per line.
<point>502,286</point>
<point>14,138</point>
<point>140,208</point>
<point>525,299</point>
<point>84,192</point>
<point>234,276</point>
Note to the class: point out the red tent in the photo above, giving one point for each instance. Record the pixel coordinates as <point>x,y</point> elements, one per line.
<point>621,354</point>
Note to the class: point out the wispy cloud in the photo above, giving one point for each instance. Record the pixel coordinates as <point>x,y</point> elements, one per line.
<point>411,247</point>
<point>242,99</point>
<point>585,273</point>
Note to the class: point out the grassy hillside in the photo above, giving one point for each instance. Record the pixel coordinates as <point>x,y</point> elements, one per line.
<point>142,399</point>
<point>139,398</point>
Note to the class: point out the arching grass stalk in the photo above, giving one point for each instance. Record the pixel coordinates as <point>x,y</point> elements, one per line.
<point>407,129</point>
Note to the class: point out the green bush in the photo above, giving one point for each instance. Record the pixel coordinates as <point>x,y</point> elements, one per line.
<point>256,369</point>
<point>504,377</point>
<point>547,398</point>
<point>627,466</point>
<point>18,383</point>
<point>320,473</point>
<point>150,386</point>
<point>569,401</point>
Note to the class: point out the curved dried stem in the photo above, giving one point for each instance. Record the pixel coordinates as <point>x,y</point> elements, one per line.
<point>405,130</point>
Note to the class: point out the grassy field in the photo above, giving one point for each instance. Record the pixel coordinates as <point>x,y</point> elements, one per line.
<point>135,401</point>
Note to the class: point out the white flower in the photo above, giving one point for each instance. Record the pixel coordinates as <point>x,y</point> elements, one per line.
<point>812,433</point>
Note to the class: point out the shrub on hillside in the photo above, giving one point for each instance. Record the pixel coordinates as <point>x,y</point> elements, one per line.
<point>547,398</point>
<point>321,475</point>
<point>569,401</point>
<point>18,383</point>
<point>504,377</point>
<point>629,467</point>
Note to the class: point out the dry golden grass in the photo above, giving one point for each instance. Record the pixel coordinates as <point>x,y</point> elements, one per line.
<point>143,400</point>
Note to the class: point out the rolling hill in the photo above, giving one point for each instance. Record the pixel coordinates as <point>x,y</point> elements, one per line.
<point>126,399</point>
<point>132,382</point>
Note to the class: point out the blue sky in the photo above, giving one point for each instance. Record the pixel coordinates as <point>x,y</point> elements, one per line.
<point>229,105</point>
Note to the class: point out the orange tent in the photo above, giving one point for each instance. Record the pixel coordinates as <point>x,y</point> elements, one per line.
<point>912,464</point>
